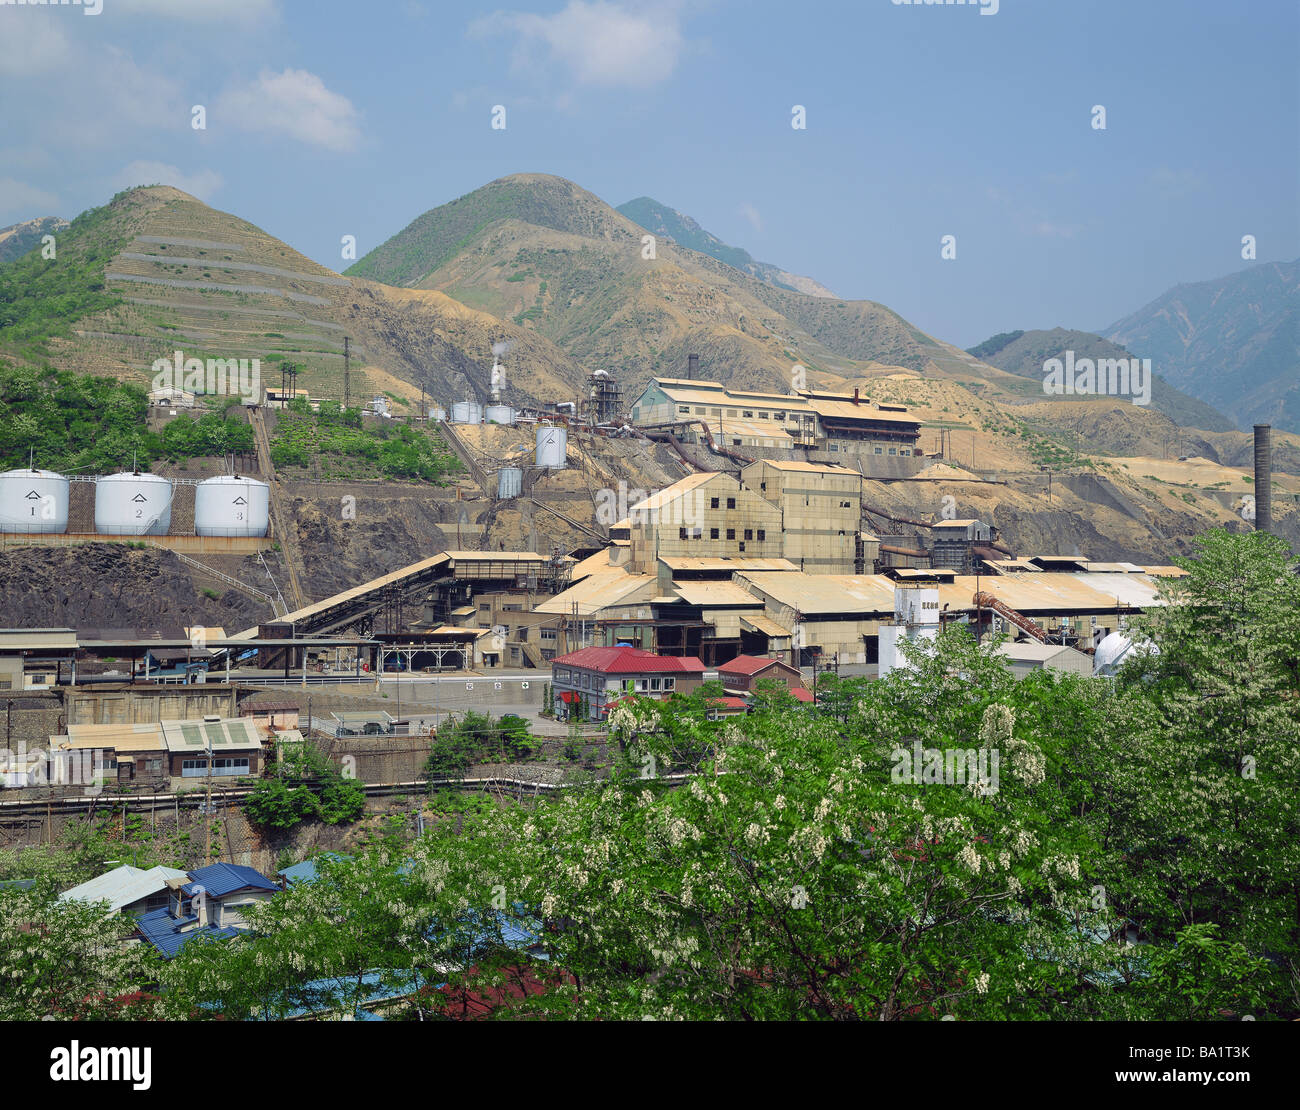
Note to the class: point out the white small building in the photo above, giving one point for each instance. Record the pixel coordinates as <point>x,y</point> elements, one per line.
<point>1026,656</point>
<point>916,617</point>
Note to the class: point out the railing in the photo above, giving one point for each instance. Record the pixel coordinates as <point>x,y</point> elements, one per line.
<point>252,591</point>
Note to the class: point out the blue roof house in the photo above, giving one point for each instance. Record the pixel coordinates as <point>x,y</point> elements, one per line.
<point>208,901</point>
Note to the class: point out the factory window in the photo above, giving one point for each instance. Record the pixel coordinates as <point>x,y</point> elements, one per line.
<point>684,409</point>
<point>731,412</point>
<point>846,505</point>
<point>879,451</point>
<point>731,502</point>
<point>713,503</point>
<point>904,451</point>
<point>731,533</point>
<point>713,533</point>
<point>762,535</point>
<point>742,545</point>
<point>699,410</point>
<point>749,533</point>
<point>762,416</point>
<point>548,633</point>
<point>893,450</point>
<point>735,443</point>
<point>762,485</point>
<point>716,412</point>
<point>230,766</point>
<point>778,416</point>
<point>681,533</point>
<point>748,414</point>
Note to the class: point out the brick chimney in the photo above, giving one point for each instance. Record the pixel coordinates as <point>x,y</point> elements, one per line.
<point>855,395</point>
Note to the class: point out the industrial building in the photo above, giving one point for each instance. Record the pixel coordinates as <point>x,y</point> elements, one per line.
<point>603,675</point>
<point>842,423</point>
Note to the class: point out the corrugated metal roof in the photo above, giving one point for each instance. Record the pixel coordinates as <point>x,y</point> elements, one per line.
<point>761,622</point>
<point>597,591</point>
<point>626,660</point>
<point>863,411</point>
<point>670,493</point>
<point>589,565</point>
<point>196,736</point>
<point>713,562</point>
<point>738,426</point>
<point>716,593</point>
<point>807,467</point>
<point>168,935</point>
<point>122,886</point>
<point>119,737</point>
<point>814,594</point>
<point>220,879</point>
<point>37,639</point>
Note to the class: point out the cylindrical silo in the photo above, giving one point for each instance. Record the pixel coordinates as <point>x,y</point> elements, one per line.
<point>499,414</point>
<point>438,413</point>
<point>33,501</point>
<point>130,504</point>
<point>510,481</point>
<point>466,412</point>
<point>552,444</point>
<point>232,506</point>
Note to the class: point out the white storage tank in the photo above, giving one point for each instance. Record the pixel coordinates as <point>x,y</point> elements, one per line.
<point>552,445</point>
<point>466,412</point>
<point>438,413</point>
<point>510,481</point>
<point>33,501</point>
<point>232,506</point>
<point>133,504</point>
<point>499,414</point>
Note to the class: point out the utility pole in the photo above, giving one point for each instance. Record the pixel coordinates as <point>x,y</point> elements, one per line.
<point>207,806</point>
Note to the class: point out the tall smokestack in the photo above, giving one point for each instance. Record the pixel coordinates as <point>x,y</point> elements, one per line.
<point>692,365</point>
<point>1263,478</point>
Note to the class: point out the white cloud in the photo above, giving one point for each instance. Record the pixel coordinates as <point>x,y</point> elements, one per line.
<point>33,44</point>
<point>200,11</point>
<point>601,42</point>
<point>202,183</point>
<point>24,201</point>
<point>751,214</point>
<point>293,103</point>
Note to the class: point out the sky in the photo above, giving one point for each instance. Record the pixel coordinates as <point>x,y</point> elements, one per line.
<point>324,119</point>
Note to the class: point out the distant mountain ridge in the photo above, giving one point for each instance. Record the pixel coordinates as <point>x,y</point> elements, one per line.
<point>1024,352</point>
<point>1233,341</point>
<point>555,259</point>
<point>17,239</point>
<point>659,219</point>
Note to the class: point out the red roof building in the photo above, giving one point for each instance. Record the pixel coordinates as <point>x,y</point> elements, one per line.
<point>745,670</point>
<point>604,674</point>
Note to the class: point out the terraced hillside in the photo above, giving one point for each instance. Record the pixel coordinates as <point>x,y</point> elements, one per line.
<point>174,274</point>
<point>555,259</point>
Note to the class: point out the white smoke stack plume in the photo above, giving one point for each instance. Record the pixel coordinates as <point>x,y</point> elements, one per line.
<point>498,379</point>
<point>502,347</point>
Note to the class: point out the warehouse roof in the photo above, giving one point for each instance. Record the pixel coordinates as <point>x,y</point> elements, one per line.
<point>712,562</point>
<point>808,467</point>
<point>197,736</point>
<point>738,426</point>
<point>627,660</point>
<point>597,591</point>
<point>835,407</point>
<point>119,737</point>
<point>761,622</point>
<point>813,594</point>
<point>711,594</point>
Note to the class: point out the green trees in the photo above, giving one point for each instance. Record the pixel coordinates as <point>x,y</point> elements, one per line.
<point>399,451</point>
<point>477,738</point>
<point>66,960</point>
<point>305,786</point>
